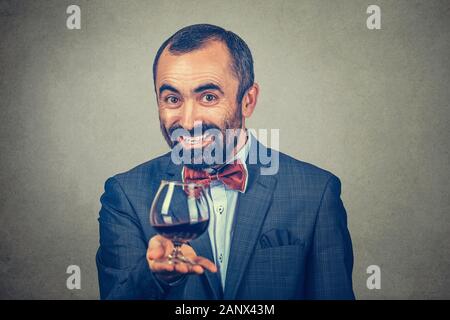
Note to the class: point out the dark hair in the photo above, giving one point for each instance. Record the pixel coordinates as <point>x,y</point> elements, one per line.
<point>196,36</point>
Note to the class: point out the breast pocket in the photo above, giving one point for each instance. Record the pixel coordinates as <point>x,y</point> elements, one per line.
<point>288,254</point>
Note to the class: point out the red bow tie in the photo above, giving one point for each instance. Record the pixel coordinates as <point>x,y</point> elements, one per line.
<point>233,175</point>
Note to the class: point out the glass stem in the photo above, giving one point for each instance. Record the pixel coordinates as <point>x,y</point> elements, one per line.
<point>176,253</point>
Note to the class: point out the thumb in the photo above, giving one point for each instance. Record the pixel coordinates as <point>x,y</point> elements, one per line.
<point>156,248</point>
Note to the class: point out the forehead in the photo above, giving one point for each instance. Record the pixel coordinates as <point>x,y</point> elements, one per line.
<point>212,62</point>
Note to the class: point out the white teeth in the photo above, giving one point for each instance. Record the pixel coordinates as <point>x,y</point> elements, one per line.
<point>194,140</point>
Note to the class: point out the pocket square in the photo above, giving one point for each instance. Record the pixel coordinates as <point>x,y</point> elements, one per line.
<point>277,238</point>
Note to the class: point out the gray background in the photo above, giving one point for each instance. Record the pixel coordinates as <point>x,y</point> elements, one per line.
<point>370,106</point>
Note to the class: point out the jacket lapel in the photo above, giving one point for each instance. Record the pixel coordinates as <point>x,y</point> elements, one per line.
<point>250,213</point>
<point>201,245</point>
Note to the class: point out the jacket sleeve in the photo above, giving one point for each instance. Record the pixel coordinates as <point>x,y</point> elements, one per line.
<point>330,261</point>
<point>123,271</point>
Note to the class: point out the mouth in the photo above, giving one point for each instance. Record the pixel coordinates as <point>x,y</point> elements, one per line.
<point>189,142</point>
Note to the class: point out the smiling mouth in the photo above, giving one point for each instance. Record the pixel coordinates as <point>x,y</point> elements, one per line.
<point>189,142</point>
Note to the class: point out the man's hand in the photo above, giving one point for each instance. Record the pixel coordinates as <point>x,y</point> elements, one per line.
<point>159,248</point>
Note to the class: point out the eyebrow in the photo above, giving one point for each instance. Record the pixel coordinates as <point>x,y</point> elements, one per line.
<point>208,86</point>
<point>167,87</point>
<point>201,88</point>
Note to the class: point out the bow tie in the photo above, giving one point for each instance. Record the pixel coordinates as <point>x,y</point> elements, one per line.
<point>233,175</point>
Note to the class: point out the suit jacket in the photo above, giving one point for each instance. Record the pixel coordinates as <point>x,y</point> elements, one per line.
<point>290,238</point>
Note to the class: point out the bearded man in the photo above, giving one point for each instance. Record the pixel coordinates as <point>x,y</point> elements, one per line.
<point>280,230</point>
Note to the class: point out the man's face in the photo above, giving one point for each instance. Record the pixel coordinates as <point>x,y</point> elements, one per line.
<point>197,92</point>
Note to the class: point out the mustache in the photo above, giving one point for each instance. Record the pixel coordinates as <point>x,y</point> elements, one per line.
<point>195,130</point>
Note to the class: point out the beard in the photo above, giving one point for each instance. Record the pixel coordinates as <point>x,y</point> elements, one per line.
<point>206,145</point>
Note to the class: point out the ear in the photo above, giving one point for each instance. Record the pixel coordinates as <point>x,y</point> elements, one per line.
<point>249,100</point>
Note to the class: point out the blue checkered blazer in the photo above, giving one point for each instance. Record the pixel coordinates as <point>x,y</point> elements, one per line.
<point>290,238</point>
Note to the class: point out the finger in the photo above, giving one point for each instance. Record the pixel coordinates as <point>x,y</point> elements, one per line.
<point>162,267</point>
<point>198,269</point>
<point>156,252</point>
<point>159,247</point>
<point>182,268</point>
<point>193,266</point>
<point>205,263</point>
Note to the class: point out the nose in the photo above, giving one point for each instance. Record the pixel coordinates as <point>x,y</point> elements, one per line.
<point>187,120</point>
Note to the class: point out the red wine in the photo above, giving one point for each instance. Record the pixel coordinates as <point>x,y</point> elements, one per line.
<point>182,232</point>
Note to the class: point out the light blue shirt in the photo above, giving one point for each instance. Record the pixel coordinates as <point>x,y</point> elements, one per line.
<point>221,222</point>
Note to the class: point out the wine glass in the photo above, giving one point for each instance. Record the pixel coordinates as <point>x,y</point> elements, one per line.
<point>180,212</point>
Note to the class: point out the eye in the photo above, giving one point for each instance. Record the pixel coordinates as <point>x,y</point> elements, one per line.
<point>172,100</point>
<point>209,98</point>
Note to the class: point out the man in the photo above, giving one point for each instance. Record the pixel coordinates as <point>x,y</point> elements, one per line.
<point>279,234</point>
